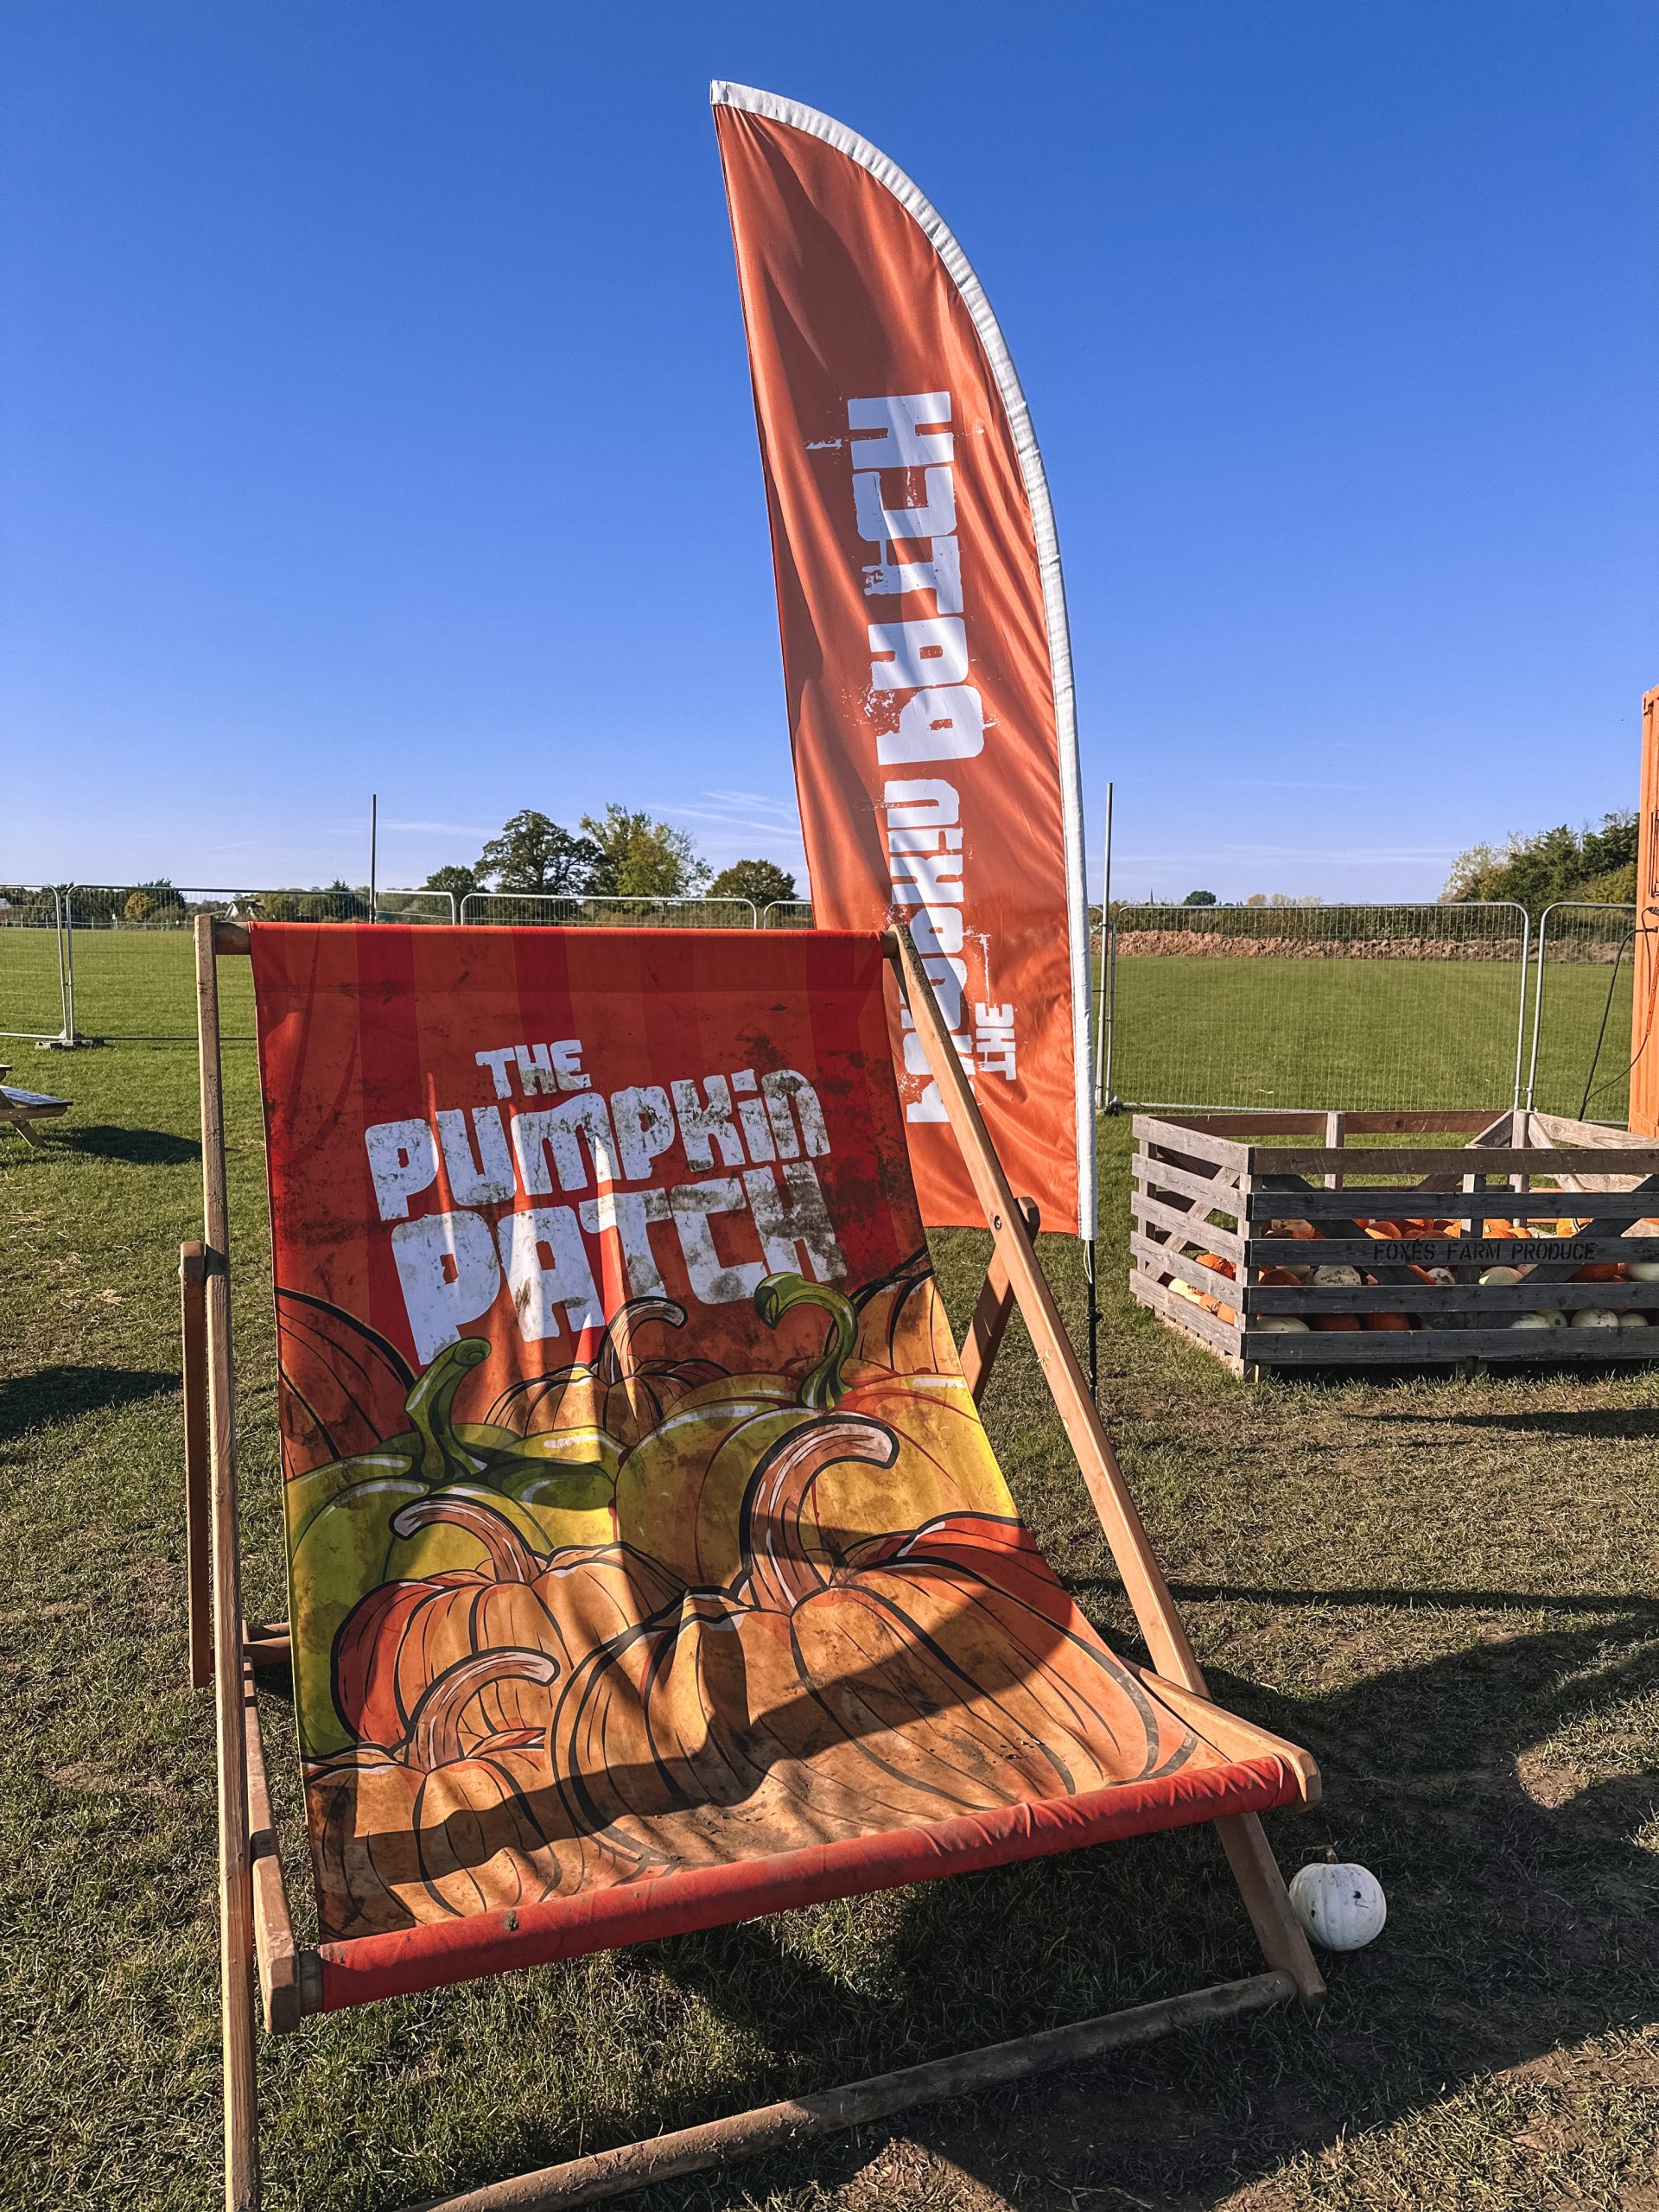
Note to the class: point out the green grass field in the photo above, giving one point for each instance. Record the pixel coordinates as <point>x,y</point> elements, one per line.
<point>1204,1032</point>
<point>1444,1588</point>
<point>1364,1033</point>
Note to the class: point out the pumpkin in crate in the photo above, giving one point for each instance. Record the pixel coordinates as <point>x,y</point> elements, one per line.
<point>1336,1324</point>
<point>1600,1271</point>
<point>1385,1321</point>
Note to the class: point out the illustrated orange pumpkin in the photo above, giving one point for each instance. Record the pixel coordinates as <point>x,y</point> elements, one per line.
<point>430,1828</point>
<point>920,1675</point>
<point>954,1640</point>
<point>679,1490</point>
<point>619,1394</point>
<point>405,1635</point>
<point>903,1328</point>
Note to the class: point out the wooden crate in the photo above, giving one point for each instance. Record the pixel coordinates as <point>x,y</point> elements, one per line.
<point>1216,1181</point>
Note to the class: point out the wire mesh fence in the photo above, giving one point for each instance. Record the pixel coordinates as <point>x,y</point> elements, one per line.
<point>33,990</point>
<point>1407,1006</point>
<point>1580,1057</point>
<point>530,909</point>
<point>787,914</point>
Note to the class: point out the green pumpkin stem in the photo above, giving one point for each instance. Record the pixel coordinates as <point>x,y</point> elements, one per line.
<point>773,1297</point>
<point>430,1408</point>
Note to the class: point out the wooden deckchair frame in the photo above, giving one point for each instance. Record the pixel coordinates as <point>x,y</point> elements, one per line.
<point>260,1959</point>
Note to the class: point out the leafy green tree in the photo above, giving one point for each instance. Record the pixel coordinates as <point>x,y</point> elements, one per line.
<point>533,854</point>
<point>1200,898</point>
<point>762,882</point>
<point>1558,863</point>
<point>454,879</point>
<point>644,859</point>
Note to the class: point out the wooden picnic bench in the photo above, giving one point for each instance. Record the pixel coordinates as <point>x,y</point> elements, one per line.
<point>18,1108</point>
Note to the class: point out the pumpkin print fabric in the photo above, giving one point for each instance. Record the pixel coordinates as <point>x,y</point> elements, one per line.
<point>640,1523</point>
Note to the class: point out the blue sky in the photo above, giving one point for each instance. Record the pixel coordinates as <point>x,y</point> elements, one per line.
<point>374,416</point>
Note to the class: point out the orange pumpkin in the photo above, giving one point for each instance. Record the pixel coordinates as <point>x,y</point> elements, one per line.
<point>1601,1271</point>
<point>679,1492</point>
<point>1385,1321</point>
<point>1336,1322</point>
<point>619,1395</point>
<point>936,1671</point>
<point>903,1328</point>
<point>405,1635</point>
<point>430,1829</point>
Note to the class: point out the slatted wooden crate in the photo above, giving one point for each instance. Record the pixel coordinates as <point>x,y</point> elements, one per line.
<point>1215,1182</point>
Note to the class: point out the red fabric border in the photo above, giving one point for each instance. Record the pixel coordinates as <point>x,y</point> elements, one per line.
<point>462,1949</point>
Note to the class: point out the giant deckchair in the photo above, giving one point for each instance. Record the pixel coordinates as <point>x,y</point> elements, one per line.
<point>648,1566</point>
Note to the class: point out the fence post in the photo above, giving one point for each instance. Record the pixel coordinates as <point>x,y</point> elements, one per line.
<point>1521,1015</point>
<point>1538,1002</point>
<point>69,1039</point>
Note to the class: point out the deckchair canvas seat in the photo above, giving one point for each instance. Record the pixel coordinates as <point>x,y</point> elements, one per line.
<point>650,1567</point>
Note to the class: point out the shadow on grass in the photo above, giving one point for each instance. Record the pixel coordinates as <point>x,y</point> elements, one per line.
<point>1622,1423</point>
<point>1522,1919</point>
<point>55,1394</point>
<point>142,1147</point>
<point>1523,1601</point>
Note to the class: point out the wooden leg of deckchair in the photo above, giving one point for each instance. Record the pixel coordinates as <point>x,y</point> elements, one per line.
<point>198,1505</point>
<point>1263,1888</point>
<point>830,2112</point>
<point>993,1311</point>
<point>237,1966</point>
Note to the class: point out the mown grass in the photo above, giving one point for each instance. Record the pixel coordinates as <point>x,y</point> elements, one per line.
<point>1444,1588</point>
<point>1210,1031</point>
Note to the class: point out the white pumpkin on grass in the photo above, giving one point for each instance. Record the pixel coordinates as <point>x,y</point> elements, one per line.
<point>1341,1906</point>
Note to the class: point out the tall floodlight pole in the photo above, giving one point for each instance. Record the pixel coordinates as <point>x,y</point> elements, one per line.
<point>374,843</point>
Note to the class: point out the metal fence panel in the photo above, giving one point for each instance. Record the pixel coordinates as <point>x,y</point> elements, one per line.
<point>34,994</point>
<point>787,914</point>
<point>1405,1006</point>
<point>549,909</point>
<point>131,948</point>
<point>429,906</point>
<point>1580,1058</point>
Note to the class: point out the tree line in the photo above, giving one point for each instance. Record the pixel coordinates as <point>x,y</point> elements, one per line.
<point>1595,866</point>
<point>621,853</point>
